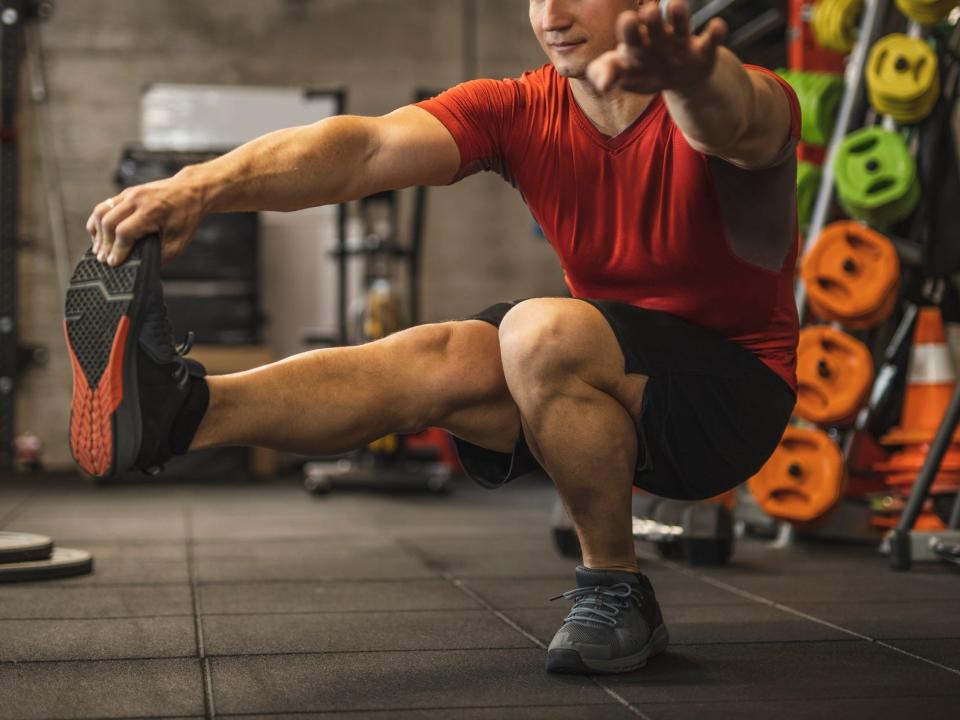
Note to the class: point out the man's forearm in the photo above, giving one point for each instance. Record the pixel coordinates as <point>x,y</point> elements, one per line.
<point>288,169</point>
<point>716,113</point>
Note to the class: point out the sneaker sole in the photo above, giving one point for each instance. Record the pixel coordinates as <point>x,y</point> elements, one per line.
<point>103,314</point>
<point>570,661</point>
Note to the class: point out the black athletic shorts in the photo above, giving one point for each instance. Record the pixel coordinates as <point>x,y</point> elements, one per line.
<point>712,412</point>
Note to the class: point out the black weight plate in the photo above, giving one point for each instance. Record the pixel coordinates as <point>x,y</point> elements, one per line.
<point>22,547</point>
<point>64,562</point>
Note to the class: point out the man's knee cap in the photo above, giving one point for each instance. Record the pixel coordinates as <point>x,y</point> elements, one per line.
<point>534,336</point>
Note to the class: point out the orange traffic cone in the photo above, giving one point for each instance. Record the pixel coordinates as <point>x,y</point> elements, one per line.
<point>930,382</point>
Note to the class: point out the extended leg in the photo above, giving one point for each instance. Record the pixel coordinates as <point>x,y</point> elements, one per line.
<point>328,401</point>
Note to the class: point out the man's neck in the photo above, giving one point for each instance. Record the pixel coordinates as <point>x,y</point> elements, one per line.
<point>610,112</point>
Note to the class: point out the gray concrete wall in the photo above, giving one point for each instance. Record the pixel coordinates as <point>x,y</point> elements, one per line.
<point>101,53</point>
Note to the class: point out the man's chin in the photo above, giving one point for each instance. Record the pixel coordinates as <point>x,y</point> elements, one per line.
<point>573,71</point>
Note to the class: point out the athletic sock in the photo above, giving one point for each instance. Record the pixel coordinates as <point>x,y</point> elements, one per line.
<point>618,569</point>
<point>188,418</point>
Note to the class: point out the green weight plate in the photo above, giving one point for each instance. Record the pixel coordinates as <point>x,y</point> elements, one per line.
<point>899,210</point>
<point>826,92</point>
<point>873,170</point>
<point>819,95</point>
<point>20,547</point>
<point>884,216</point>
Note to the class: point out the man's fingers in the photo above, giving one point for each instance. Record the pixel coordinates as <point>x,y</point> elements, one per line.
<point>107,228</point>
<point>121,216</point>
<point>679,18</point>
<point>127,234</point>
<point>652,20</point>
<point>605,70</point>
<point>715,32</point>
<point>92,226</point>
<point>628,29</point>
<point>95,221</point>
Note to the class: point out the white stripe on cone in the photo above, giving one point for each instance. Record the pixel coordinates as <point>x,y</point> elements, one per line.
<point>931,365</point>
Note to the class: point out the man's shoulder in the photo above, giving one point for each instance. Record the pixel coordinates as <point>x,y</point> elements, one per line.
<point>542,81</point>
<point>539,81</point>
<point>529,90</point>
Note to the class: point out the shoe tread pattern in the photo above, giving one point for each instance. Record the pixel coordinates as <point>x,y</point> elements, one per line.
<point>98,297</point>
<point>96,325</point>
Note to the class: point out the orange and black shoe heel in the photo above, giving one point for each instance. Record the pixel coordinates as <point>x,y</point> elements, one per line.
<point>104,311</point>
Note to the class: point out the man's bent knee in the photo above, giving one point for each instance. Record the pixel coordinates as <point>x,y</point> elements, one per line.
<point>537,337</point>
<point>547,343</point>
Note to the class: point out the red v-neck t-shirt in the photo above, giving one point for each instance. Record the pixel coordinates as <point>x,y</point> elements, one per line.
<point>643,218</point>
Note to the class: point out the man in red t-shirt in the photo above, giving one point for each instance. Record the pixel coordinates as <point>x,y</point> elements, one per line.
<point>662,171</point>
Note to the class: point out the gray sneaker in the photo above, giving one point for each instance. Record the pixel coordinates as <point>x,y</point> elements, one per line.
<point>615,625</point>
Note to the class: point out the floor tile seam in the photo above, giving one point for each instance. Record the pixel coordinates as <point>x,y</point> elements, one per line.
<point>251,614</point>
<point>383,651</point>
<point>323,581</point>
<point>464,588</point>
<point>11,514</point>
<point>861,603</point>
<point>751,643</point>
<point>921,658</point>
<point>205,675</point>
<point>84,585</point>
<point>390,611</point>
<point>97,660</point>
<point>125,717</point>
<point>114,542</point>
<point>308,653</point>
<point>927,580</point>
<point>812,618</point>
<point>799,700</point>
<point>296,653</point>
<point>404,709</point>
<point>95,618</point>
<point>81,585</point>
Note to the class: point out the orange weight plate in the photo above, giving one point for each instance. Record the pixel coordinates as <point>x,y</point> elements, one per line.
<point>864,322</point>
<point>834,374</point>
<point>912,458</point>
<point>803,479</point>
<point>852,274</point>
<point>926,521</point>
<point>943,483</point>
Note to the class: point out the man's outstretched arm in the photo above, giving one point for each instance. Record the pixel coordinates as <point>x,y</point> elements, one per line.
<point>721,108</point>
<point>335,160</point>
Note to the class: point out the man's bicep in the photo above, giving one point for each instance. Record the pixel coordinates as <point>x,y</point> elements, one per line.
<point>411,147</point>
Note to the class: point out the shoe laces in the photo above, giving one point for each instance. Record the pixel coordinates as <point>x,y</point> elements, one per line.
<point>600,604</point>
<point>158,334</point>
<point>181,373</point>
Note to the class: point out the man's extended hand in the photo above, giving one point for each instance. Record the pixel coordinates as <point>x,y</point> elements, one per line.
<point>654,55</point>
<point>170,207</point>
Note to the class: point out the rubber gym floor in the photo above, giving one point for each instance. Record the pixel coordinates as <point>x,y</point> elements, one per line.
<point>256,599</point>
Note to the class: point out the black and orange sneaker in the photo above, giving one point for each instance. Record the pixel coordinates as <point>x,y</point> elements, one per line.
<point>136,400</point>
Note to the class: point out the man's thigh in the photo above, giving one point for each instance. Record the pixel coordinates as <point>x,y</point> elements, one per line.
<point>457,366</point>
